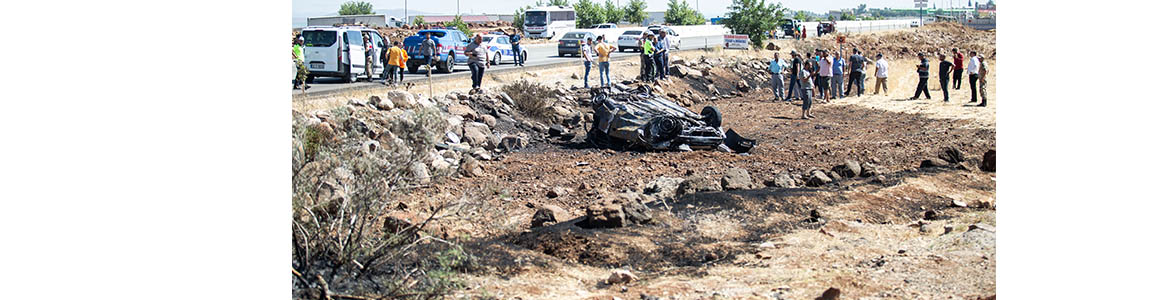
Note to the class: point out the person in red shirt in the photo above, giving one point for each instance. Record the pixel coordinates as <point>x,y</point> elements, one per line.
<point>958,67</point>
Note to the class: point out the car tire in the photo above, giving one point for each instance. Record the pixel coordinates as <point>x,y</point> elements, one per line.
<point>523,57</point>
<point>448,65</point>
<point>412,68</point>
<point>309,78</point>
<point>347,77</point>
<point>496,59</point>
<point>711,116</point>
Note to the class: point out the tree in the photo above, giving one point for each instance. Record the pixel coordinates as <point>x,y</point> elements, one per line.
<point>680,13</point>
<point>588,13</point>
<point>753,18</point>
<point>356,8</point>
<point>802,16</point>
<point>635,11</point>
<point>848,17</point>
<point>861,8</point>
<point>459,24</point>
<point>418,20</point>
<point>613,14</point>
<point>518,17</point>
<point>557,3</point>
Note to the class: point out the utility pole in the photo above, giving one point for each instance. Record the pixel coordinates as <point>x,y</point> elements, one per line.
<point>405,14</point>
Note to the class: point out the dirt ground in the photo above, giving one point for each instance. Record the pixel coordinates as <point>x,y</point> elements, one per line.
<point>870,241</point>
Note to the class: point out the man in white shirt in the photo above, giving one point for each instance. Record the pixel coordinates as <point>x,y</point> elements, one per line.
<point>881,72</point>
<point>826,73</point>
<point>973,74</point>
<point>587,57</point>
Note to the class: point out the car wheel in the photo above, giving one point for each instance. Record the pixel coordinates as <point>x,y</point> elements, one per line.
<point>309,79</point>
<point>523,57</point>
<point>448,65</point>
<point>496,60</point>
<point>711,116</point>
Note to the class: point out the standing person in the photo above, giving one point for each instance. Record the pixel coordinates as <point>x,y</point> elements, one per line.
<point>429,53</point>
<point>958,57</point>
<point>477,54</point>
<point>517,35</point>
<point>973,73</point>
<point>794,79</point>
<point>881,72</point>
<point>857,73</point>
<point>944,75</point>
<point>587,57</point>
<point>298,55</point>
<point>649,49</point>
<point>664,54</point>
<point>825,67</point>
<point>807,91</point>
<point>603,50</point>
<point>395,58</point>
<point>838,76</point>
<point>815,59</point>
<point>923,74</point>
<point>983,80</point>
<point>775,68</point>
<point>369,46</point>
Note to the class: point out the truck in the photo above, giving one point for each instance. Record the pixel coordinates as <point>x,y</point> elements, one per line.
<point>789,27</point>
<point>450,43</point>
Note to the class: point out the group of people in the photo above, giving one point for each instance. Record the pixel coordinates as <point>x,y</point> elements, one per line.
<point>655,56</point>
<point>597,52</point>
<point>976,70</point>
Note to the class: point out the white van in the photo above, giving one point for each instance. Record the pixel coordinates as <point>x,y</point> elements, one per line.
<point>338,52</point>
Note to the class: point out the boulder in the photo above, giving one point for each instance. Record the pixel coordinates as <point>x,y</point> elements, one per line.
<point>830,294</point>
<point>736,179</point>
<point>471,168</point>
<point>932,163</point>
<point>951,155</point>
<point>476,133</point>
<point>419,172</point>
<point>849,169</point>
<point>662,187</point>
<point>782,180</point>
<point>870,170</point>
<point>556,191</point>
<point>636,213</point>
<point>620,277</point>
<point>818,178</point>
<point>402,99</point>
<point>463,111</point>
<point>695,184</point>
<point>988,164</point>
<point>548,215</point>
<point>511,143</point>
<point>603,216</point>
<point>489,120</point>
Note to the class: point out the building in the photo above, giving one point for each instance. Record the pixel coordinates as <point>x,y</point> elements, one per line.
<point>469,19</point>
<point>371,20</point>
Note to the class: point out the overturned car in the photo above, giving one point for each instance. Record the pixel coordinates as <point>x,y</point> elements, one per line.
<point>629,118</point>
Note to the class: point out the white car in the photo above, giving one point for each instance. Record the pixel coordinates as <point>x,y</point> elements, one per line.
<point>500,49</point>
<point>629,40</point>
<point>675,41</point>
<point>339,52</point>
<point>604,26</point>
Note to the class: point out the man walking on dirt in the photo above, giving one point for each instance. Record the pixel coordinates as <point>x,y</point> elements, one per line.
<point>837,84</point>
<point>775,68</point>
<point>793,82</point>
<point>944,75</point>
<point>825,68</point>
<point>881,73</point>
<point>958,57</point>
<point>517,35</point>
<point>857,73</point>
<point>477,54</point>
<point>973,72</point>
<point>923,74</point>
<point>427,47</point>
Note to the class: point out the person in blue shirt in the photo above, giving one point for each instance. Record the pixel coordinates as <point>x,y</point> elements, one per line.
<point>515,39</point>
<point>663,53</point>
<point>776,67</point>
<point>838,76</point>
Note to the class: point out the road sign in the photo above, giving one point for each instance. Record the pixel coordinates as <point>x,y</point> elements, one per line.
<point>919,5</point>
<point>920,1</point>
<point>735,41</point>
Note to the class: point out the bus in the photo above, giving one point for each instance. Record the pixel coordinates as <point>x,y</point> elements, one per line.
<point>549,21</point>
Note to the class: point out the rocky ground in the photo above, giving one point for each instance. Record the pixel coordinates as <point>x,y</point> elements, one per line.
<point>876,198</point>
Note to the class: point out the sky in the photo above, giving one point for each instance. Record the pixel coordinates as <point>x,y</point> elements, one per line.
<point>709,8</point>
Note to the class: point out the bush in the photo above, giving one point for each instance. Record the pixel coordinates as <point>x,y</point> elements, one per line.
<point>459,24</point>
<point>532,99</point>
<point>635,11</point>
<point>753,18</point>
<point>356,8</point>
<point>342,188</point>
<point>680,13</point>
<point>418,20</point>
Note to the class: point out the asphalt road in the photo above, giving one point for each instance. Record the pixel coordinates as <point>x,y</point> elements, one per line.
<point>541,54</point>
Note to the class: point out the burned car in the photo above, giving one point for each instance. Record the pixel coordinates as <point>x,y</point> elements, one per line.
<point>629,118</point>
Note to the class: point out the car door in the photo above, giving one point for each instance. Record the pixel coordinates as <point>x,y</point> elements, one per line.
<point>355,52</point>
<point>378,46</point>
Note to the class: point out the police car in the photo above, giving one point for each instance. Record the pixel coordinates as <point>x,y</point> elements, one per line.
<point>500,49</point>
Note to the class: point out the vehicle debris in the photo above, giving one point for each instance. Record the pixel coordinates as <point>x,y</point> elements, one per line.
<point>636,118</point>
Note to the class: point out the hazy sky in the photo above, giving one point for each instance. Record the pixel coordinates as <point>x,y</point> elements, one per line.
<point>709,8</point>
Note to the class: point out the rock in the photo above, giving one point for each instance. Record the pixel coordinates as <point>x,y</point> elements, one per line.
<point>603,216</point>
<point>357,102</point>
<point>662,187</point>
<point>958,203</point>
<point>402,99</point>
<point>834,176</point>
<point>933,163</point>
<point>556,191</point>
<point>511,143</point>
<point>981,226</point>
<point>556,130</point>
<point>742,86</point>
<point>932,229</point>
<point>380,104</point>
<point>463,111</point>
<point>574,76</point>
<point>783,180</point>
<point>489,120</point>
<point>548,215</point>
<point>636,213</point>
<point>988,164</point>
<point>930,215</point>
<point>481,154</point>
<point>736,179</point>
<point>395,224</point>
<point>476,133</point>
<point>830,294</point>
<point>849,169</point>
<point>818,178</point>
<point>951,155</point>
<point>696,184</point>
<point>418,171</point>
<point>620,277</point>
<point>870,170</point>
<point>471,168</point>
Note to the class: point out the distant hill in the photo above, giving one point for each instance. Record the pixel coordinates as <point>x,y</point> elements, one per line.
<point>301,20</point>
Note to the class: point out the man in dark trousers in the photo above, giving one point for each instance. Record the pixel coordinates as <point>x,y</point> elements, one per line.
<point>857,72</point>
<point>958,57</point>
<point>923,74</point>
<point>944,75</point>
<point>973,72</point>
<point>517,35</point>
<point>793,84</point>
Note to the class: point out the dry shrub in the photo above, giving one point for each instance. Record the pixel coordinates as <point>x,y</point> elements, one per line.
<point>533,99</point>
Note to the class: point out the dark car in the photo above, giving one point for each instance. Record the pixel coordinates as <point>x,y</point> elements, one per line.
<point>571,42</point>
<point>825,28</point>
<point>625,118</point>
<point>450,43</point>
<point>789,27</point>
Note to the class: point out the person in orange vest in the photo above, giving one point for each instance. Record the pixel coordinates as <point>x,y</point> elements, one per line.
<point>395,63</point>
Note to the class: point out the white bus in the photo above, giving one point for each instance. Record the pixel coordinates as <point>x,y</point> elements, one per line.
<point>549,21</point>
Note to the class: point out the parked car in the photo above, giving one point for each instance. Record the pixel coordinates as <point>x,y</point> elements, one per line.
<point>789,27</point>
<point>825,28</point>
<point>450,43</point>
<point>570,43</point>
<point>629,40</point>
<point>603,26</point>
<point>914,23</point>
<point>500,47</point>
<point>675,41</point>
<point>340,52</point>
